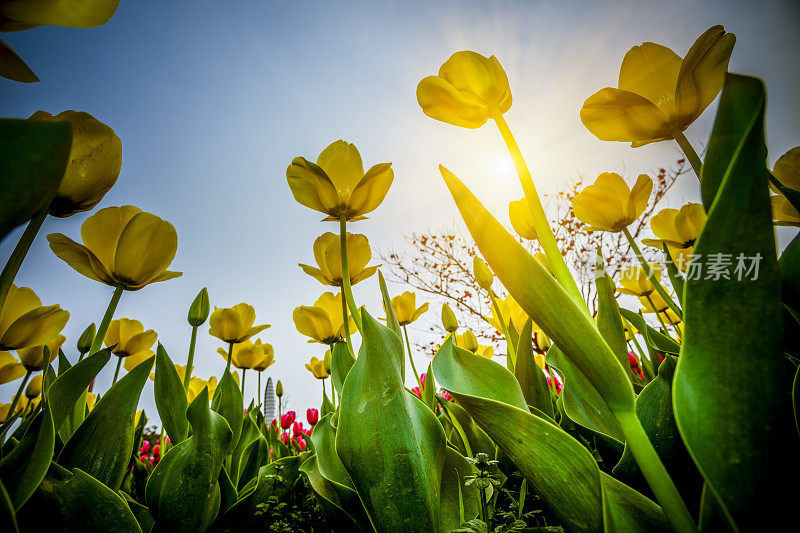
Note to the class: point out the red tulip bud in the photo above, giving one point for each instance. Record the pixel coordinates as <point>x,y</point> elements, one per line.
<point>312,415</point>
<point>144,448</point>
<point>301,442</point>
<point>287,420</point>
<point>157,450</point>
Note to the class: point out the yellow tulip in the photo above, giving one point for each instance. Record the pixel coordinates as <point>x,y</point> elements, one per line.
<point>405,308</point>
<point>33,357</point>
<point>521,219</point>
<point>4,408</point>
<point>327,254</point>
<point>130,341</point>
<point>660,93</point>
<point>634,280</point>
<point>678,229</point>
<point>449,321</point>
<point>249,355</point>
<point>609,205</point>
<point>34,387</point>
<point>539,358</point>
<point>482,274</point>
<point>653,303</point>
<point>485,351</point>
<point>328,360</point>
<point>323,321</point>
<point>122,245</point>
<point>542,341</point>
<point>94,162</point>
<point>196,386</point>
<point>24,321</point>
<point>467,87</point>
<point>10,368</point>
<point>337,185</point>
<point>180,369</point>
<point>317,367</point>
<point>512,314</point>
<point>787,169</point>
<point>91,400</point>
<point>783,212</point>
<point>468,341</point>
<point>234,324</point>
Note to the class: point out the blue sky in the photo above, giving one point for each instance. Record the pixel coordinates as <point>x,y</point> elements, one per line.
<point>212,100</point>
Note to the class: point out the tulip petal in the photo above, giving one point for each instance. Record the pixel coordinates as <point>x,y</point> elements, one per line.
<point>311,186</point>
<point>480,77</point>
<point>254,331</point>
<point>19,301</point>
<point>640,195</point>
<point>101,232</point>
<point>663,225</point>
<point>316,274</point>
<point>364,274</point>
<point>35,327</point>
<point>342,164</point>
<point>617,115</point>
<point>371,190</point>
<point>313,322</point>
<point>440,100</point>
<point>702,73</point>
<point>79,257</point>
<point>146,247</point>
<point>135,360</point>
<point>651,70</point>
<point>141,341</point>
<point>164,276</point>
<point>787,169</point>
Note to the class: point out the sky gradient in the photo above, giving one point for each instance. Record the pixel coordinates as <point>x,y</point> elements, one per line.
<point>212,100</point>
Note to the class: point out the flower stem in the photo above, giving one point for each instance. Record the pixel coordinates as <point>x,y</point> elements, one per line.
<point>230,354</point>
<point>656,475</point>
<point>346,325</point>
<point>109,314</point>
<point>346,288</point>
<point>543,230</point>
<point>116,372</point>
<point>258,391</point>
<point>244,374</point>
<point>511,358</point>
<point>658,315</point>
<point>649,271</point>
<point>187,376</point>
<point>688,151</point>
<point>411,359</point>
<point>19,253</point>
<point>17,396</point>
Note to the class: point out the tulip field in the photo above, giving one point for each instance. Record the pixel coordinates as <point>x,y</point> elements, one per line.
<point>680,413</point>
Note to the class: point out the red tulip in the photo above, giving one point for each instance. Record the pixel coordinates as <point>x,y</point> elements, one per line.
<point>312,415</point>
<point>297,428</point>
<point>559,385</point>
<point>446,396</point>
<point>285,438</point>
<point>144,448</point>
<point>157,450</point>
<point>287,420</point>
<point>415,390</point>
<point>144,459</point>
<point>301,442</point>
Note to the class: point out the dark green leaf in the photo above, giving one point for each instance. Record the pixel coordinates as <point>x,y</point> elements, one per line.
<point>170,397</point>
<point>341,361</point>
<point>530,377</point>
<point>228,402</point>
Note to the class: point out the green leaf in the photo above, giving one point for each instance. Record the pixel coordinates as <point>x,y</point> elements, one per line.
<point>170,397</point>
<point>8,519</point>
<point>390,443</point>
<point>70,386</point>
<point>457,500</point>
<point>90,447</point>
<point>253,458</point>
<point>332,506</point>
<point>563,472</point>
<point>654,339</point>
<point>609,321</point>
<point>341,361</point>
<point>330,466</point>
<point>183,492</point>
<point>33,158</point>
<point>228,494</point>
<point>731,389</point>
<point>428,391</point>
<point>12,67</point>
<point>70,13</point>
<point>583,403</point>
<point>530,377</point>
<point>75,501</point>
<point>675,277</point>
<point>250,432</point>
<point>478,440</point>
<point>545,301</point>
<point>391,321</point>
<point>228,402</point>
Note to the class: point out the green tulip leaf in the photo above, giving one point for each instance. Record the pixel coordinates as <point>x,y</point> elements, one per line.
<point>183,492</point>
<point>428,391</point>
<point>250,433</point>
<point>391,321</point>
<point>8,518</point>
<point>90,448</point>
<point>170,397</point>
<point>675,277</point>
<point>391,444</point>
<point>457,499</point>
<point>530,377</point>
<point>228,402</point>
<point>609,321</point>
<point>33,158</point>
<point>76,501</point>
<point>341,361</point>
<point>227,490</point>
<point>654,339</point>
<point>478,440</point>
<point>69,387</point>
<point>332,506</point>
<point>731,389</point>
<point>328,463</point>
<point>253,458</point>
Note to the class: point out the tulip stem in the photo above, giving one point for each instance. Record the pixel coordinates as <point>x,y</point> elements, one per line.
<point>346,325</point>
<point>411,359</point>
<point>346,288</point>
<point>650,276</point>
<point>511,357</point>
<point>116,372</point>
<point>187,376</point>
<point>258,391</point>
<point>244,373</point>
<point>17,396</point>
<point>688,151</point>
<point>545,234</point>
<point>656,475</point>
<point>19,253</point>
<point>230,354</point>
<point>101,331</point>
<point>658,315</point>
<point>645,360</point>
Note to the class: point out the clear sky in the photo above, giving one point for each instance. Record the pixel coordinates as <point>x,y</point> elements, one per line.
<point>212,100</point>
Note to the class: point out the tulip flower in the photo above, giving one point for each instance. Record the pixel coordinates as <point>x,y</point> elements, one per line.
<point>558,385</point>
<point>196,386</point>
<point>323,321</point>
<point>33,358</point>
<point>467,89</point>
<point>234,324</point>
<point>483,276</point>
<point>636,282</point>
<point>633,361</point>
<point>5,408</point>
<point>297,428</point>
<point>130,342</point>
<point>288,419</point>
<point>91,399</point>
<point>10,368</point>
<point>467,341</point>
<point>34,387</point>
<point>449,321</point>
<point>301,443</point>
<point>783,212</point>
<point>95,161</point>
<point>521,219</point>
<point>541,343</point>
<point>787,169</point>
<point>145,447</point>
<point>405,308</point>
<point>660,94</point>
<point>25,322</point>
<point>328,255</point>
<point>122,246</point>
<point>312,416</point>
<point>86,339</point>
<point>678,229</point>
<point>609,205</point>
<point>250,355</point>
<point>317,367</point>
<point>511,312</point>
<point>157,451</point>
<point>337,184</point>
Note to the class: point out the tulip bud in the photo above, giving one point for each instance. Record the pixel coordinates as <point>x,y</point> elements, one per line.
<point>312,415</point>
<point>287,420</point>
<point>34,387</point>
<point>327,362</point>
<point>95,161</point>
<point>279,389</point>
<point>297,428</point>
<point>483,275</point>
<point>470,341</point>
<point>86,339</point>
<point>449,319</point>
<point>198,311</point>
<point>302,443</point>
<point>157,450</point>
<point>145,447</point>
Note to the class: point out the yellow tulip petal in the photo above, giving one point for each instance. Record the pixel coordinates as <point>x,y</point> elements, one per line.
<point>255,330</point>
<point>371,190</point>
<point>141,341</point>
<point>101,231</point>
<point>136,359</point>
<point>617,115</point>
<point>19,301</point>
<point>521,219</point>
<point>10,368</point>
<point>787,169</point>
<point>311,187</point>
<point>164,276</point>
<point>651,70</point>
<point>639,196</point>
<point>316,274</point>
<point>35,327</point>
<point>440,100</point>
<point>364,274</point>
<point>145,249</point>
<point>342,163</point>
<point>79,257</point>
<point>313,322</point>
